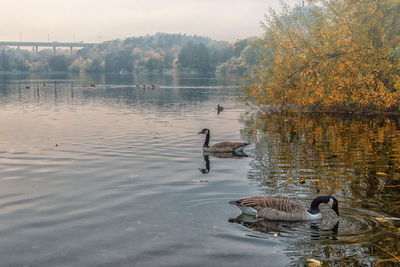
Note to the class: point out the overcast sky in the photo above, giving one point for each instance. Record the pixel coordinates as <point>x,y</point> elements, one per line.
<point>100,20</point>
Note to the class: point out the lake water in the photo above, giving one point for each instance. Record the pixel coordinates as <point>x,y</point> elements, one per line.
<point>114,175</point>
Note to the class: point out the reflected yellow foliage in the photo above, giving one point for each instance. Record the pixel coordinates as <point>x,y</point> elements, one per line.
<point>338,55</point>
<point>354,157</point>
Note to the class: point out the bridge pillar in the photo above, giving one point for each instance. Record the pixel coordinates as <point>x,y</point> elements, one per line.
<point>36,48</point>
<point>54,50</point>
<point>70,50</point>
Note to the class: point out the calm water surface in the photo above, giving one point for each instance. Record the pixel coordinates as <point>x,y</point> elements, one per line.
<point>114,175</point>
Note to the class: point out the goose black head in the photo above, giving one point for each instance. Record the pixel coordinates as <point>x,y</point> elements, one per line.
<point>334,204</point>
<point>326,199</point>
<point>204,131</point>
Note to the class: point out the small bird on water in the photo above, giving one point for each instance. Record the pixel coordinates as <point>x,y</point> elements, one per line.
<point>220,108</point>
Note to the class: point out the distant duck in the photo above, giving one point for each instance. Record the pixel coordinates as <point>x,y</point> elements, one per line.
<point>220,108</point>
<point>224,147</point>
<point>92,85</point>
<point>27,87</point>
<point>152,86</point>
<point>283,208</point>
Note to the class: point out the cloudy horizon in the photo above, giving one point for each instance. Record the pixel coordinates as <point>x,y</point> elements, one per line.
<point>101,20</point>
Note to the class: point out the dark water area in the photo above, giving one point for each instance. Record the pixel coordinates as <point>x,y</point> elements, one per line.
<point>97,171</point>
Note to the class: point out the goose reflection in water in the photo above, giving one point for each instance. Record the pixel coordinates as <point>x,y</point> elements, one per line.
<point>235,155</point>
<point>206,157</point>
<point>310,228</point>
<point>206,170</point>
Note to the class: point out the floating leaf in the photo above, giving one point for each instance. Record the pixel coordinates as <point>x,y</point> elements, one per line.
<point>381,219</point>
<point>200,180</point>
<point>313,263</point>
<point>381,173</point>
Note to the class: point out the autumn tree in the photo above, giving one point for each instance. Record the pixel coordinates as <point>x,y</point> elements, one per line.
<point>331,54</point>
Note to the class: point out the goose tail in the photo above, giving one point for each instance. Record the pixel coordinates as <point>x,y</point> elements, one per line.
<point>240,148</point>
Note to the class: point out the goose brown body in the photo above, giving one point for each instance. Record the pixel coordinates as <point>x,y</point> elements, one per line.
<point>226,147</point>
<point>276,208</point>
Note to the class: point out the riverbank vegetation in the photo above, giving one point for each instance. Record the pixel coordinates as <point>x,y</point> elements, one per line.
<point>160,52</point>
<point>336,55</point>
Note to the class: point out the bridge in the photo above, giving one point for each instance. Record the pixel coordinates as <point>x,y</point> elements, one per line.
<point>36,45</point>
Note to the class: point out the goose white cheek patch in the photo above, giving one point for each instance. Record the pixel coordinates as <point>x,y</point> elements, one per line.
<point>330,203</point>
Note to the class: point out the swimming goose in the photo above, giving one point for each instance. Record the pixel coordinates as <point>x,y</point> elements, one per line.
<point>225,147</point>
<point>283,208</point>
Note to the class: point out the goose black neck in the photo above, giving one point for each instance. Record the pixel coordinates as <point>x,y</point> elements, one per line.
<point>207,140</point>
<point>314,208</point>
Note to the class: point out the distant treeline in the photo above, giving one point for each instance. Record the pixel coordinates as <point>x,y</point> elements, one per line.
<point>150,53</point>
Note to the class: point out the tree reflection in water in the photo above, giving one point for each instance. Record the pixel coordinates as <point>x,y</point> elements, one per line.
<point>355,158</point>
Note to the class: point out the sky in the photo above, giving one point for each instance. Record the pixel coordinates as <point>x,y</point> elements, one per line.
<point>101,20</point>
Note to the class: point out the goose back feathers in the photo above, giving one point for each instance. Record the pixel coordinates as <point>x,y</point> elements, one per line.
<point>223,147</point>
<point>283,208</point>
<point>226,147</point>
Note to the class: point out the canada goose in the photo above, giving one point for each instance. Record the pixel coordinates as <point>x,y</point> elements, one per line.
<point>225,147</point>
<point>283,208</point>
<point>220,108</point>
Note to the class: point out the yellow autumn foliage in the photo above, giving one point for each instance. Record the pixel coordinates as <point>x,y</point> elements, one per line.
<point>339,55</point>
